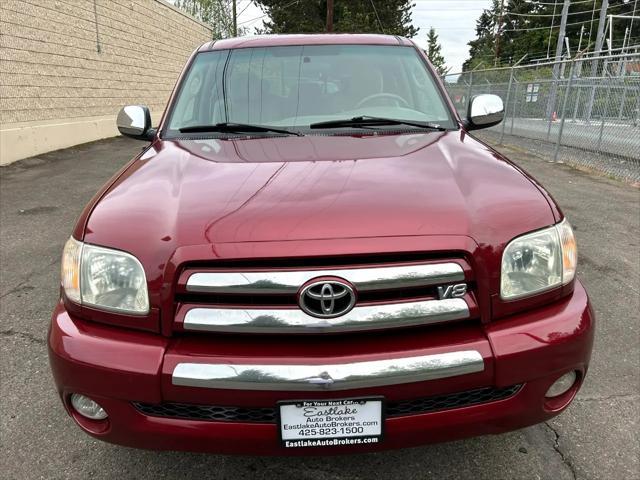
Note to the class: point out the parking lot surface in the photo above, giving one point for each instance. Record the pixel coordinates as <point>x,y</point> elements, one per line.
<point>596,438</point>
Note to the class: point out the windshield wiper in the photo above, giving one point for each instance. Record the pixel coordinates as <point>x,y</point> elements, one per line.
<point>232,127</point>
<point>368,121</point>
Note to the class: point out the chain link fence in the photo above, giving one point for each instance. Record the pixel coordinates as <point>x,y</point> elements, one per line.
<point>584,111</point>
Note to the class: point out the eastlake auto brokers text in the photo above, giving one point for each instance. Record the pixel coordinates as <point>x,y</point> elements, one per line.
<point>335,420</point>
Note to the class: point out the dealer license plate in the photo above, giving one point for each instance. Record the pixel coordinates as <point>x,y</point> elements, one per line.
<point>326,423</point>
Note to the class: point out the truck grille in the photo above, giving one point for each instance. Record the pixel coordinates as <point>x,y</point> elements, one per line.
<point>268,415</point>
<point>244,300</point>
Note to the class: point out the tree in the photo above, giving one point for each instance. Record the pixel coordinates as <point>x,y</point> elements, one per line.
<point>531,28</point>
<point>392,17</point>
<point>434,54</point>
<point>483,46</point>
<point>215,13</point>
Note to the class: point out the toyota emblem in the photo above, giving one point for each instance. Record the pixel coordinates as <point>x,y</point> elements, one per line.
<point>327,299</point>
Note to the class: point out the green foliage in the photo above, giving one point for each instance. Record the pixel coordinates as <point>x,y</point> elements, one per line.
<point>525,29</point>
<point>482,48</point>
<point>215,13</point>
<point>434,52</point>
<point>353,16</point>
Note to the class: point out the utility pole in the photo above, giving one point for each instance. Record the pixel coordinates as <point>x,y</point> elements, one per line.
<point>594,64</point>
<point>553,20</point>
<point>556,66</point>
<point>235,19</point>
<point>329,16</point>
<point>498,32</point>
<point>633,15</point>
<point>561,34</point>
<point>602,21</point>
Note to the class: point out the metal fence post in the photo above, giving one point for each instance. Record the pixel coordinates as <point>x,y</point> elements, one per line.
<point>549,121</point>
<point>577,103</point>
<point>579,85</point>
<point>515,104</point>
<point>606,106</point>
<point>549,116</point>
<point>564,108</point>
<point>622,102</point>
<point>506,106</point>
<point>506,102</point>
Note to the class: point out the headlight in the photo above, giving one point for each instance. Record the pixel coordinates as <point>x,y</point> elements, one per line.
<point>538,261</point>
<point>70,271</point>
<point>104,278</point>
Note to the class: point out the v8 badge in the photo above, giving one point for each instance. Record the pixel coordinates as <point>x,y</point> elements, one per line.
<point>452,291</point>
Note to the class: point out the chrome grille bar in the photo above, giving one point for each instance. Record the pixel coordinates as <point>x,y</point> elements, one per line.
<point>334,376</point>
<point>370,317</point>
<point>288,282</point>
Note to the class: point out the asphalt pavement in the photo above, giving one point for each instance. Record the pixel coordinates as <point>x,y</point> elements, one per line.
<point>596,438</point>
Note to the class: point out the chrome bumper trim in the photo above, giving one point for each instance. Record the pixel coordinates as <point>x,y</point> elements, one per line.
<point>369,317</point>
<point>283,282</point>
<point>333,376</point>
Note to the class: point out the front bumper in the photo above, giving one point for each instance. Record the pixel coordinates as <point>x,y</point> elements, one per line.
<point>117,367</point>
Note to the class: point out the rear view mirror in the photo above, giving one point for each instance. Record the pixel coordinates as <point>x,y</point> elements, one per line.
<point>484,111</point>
<point>135,121</point>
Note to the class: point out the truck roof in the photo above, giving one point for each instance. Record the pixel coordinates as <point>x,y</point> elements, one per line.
<point>304,39</point>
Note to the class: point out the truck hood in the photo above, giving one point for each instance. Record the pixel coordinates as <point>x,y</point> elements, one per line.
<point>197,192</point>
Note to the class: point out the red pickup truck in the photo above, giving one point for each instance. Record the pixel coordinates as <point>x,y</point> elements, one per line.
<point>313,255</point>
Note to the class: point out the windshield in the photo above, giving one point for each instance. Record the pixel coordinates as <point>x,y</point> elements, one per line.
<point>296,86</point>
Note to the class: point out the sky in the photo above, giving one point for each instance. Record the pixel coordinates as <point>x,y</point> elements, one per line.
<point>454,21</point>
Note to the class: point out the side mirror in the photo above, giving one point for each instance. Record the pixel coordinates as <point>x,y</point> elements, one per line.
<point>484,111</point>
<point>135,121</point>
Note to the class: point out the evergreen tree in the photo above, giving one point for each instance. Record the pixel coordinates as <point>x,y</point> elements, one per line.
<point>532,28</point>
<point>392,17</point>
<point>434,52</point>
<point>215,13</point>
<point>482,48</point>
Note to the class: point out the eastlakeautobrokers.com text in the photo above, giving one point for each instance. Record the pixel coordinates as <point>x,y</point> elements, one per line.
<point>329,442</point>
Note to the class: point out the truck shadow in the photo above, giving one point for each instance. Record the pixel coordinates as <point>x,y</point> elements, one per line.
<point>527,453</point>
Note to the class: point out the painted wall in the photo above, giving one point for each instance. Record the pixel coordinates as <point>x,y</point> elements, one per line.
<point>68,66</point>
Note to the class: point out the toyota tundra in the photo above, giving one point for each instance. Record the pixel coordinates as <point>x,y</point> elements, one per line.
<point>314,255</point>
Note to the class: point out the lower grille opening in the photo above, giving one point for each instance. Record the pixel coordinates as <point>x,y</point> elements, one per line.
<point>268,414</point>
<point>452,400</point>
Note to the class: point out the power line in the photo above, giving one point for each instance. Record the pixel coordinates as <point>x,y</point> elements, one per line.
<point>377,16</point>
<point>266,14</point>
<point>547,14</point>
<point>544,28</point>
<point>248,5</point>
<point>555,3</point>
<point>532,55</point>
<point>559,14</point>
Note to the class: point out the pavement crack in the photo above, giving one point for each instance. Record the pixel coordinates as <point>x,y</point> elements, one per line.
<point>563,457</point>
<point>27,336</point>
<point>607,397</point>
<point>23,285</point>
